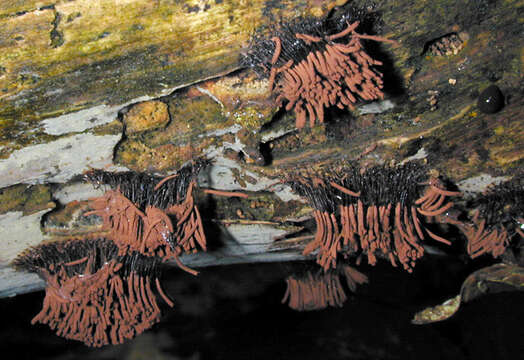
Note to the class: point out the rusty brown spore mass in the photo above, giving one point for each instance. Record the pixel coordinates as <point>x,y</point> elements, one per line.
<point>92,294</point>
<point>316,291</point>
<point>376,211</point>
<point>314,65</point>
<point>151,215</point>
<point>498,217</point>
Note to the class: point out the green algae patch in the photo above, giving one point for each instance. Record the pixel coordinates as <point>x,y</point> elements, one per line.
<point>251,117</point>
<point>245,98</point>
<point>12,8</point>
<point>146,116</point>
<point>191,115</point>
<point>140,157</point>
<point>259,207</point>
<point>26,198</point>
<point>77,54</point>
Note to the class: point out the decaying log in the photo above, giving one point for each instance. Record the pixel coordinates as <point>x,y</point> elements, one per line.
<point>148,85</point>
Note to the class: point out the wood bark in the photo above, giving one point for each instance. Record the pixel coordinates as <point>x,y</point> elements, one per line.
<point>71,73</point>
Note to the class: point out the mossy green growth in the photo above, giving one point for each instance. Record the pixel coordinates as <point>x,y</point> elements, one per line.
<point>161,149</point>
<point>26,198</point>
<point>253,117</point>
<point>190,116</point>
<point>262,206</point>
<point>13,7</point>
<point>65,56</point>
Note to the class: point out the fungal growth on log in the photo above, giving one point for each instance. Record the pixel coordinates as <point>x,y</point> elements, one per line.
<point>151,215</point>
<point>316,291</point>
<point>376,211</point>
<point>93,294</point>
<point>316,64</point>
<point>498,217</point>
<point>364,122</point>
<point>99,291</point>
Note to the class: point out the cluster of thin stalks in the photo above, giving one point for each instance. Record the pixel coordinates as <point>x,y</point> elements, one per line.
<point>165,233</point>
<point>485,240</point>
<point>100,291</point>
<point>166,223</point>
<point>332,74</point>
<point>320,290</point>
<point>99,298</point>
<point>354,221</point>
<point>497,218</point>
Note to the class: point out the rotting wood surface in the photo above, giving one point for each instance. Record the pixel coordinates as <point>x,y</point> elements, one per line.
<point>430,109</point>
<point>62,56</point>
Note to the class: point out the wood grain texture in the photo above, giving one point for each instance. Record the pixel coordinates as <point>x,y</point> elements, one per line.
<point>64,56</point>
<point>102,59</point>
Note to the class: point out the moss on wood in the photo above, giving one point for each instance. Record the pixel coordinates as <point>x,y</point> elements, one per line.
<point>29,199</point>
<point>66,56</point>
<point>435,114</point>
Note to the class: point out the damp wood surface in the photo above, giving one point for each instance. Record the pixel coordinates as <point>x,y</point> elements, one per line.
<point>147,86</point>
<point>63,56</point>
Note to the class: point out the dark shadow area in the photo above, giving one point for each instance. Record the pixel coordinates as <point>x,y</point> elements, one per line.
<point>235,312</point>
<point>207,209</point>
<point>339,124</point>
<point>393,82</point>
<point>277,117</point>
<point>265,150</point>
